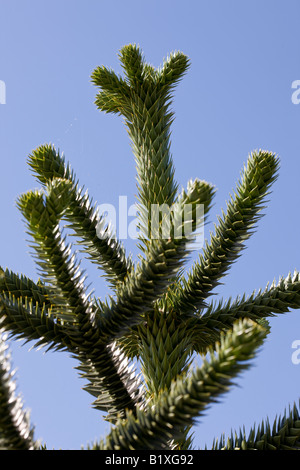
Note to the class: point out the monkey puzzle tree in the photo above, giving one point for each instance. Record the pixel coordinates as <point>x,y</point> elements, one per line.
<point>159,315</point>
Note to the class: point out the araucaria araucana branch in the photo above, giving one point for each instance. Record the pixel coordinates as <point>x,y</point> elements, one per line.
<point>136,347</point>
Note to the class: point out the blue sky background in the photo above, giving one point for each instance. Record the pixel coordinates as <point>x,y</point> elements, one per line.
<point>235,98</point>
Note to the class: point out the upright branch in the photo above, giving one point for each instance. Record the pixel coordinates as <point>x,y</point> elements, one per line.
<point>143,98</point>
<point>233,229</point>
<point>16,432</point>
<point>81,214</point>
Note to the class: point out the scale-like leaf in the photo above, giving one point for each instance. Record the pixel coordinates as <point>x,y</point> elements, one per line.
<point>189,396</point>
<point>82,215</point>
<point>16,432</point>
<point>233,229</point>
<point>273,300</point>
<point>283,434</point>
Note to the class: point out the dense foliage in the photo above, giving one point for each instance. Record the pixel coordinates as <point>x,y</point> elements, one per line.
<point>159,315</point>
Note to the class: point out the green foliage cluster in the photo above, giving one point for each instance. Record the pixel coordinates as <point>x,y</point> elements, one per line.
<point>158,314</point>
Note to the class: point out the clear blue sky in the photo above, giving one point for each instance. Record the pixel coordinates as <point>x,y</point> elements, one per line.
<point>236,98</point>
